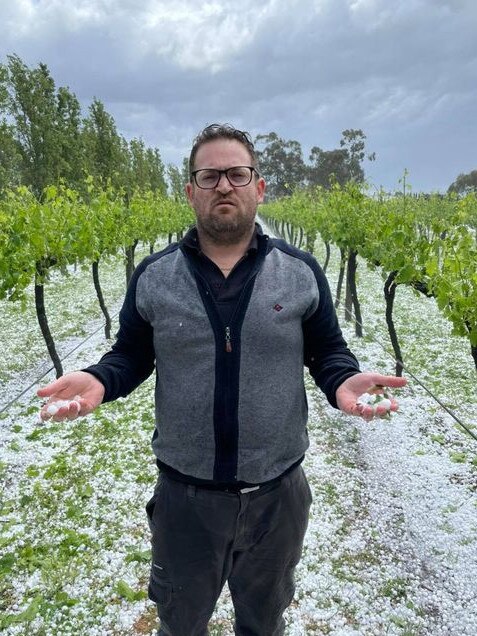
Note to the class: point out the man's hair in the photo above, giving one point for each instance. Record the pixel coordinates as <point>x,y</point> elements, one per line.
<point>222,131</point>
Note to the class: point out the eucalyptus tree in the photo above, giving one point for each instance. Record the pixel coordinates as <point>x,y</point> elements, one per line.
<point>464,183</point>
<point>342,164</point>
<point>353,141</point>
<point>281,163</point>
<point>328,167</point>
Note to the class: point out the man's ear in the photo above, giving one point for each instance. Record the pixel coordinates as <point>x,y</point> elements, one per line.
<point>261,187</point>
<point>189,188</point>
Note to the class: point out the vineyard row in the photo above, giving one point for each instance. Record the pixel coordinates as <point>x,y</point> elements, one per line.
<point>64,229</point>
<point>428,243</point>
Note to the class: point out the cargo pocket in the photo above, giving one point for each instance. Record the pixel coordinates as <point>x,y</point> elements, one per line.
<point>159,590</point>
<point>151,504</point>
<point>150,511</point>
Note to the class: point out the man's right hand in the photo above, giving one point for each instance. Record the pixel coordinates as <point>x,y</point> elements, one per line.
<point>80,389</point>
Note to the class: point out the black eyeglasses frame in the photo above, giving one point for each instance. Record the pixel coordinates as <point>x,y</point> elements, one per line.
<point>193,175</point>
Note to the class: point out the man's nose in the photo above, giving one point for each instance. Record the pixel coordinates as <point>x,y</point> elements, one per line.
<point>223,184</point>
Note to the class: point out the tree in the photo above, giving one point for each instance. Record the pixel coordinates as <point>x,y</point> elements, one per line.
<point>177,180</point>
<point>10,158</point>
<point>464,183</point>
<point>341,165</point>
<point>146,170</point>
<point>353,141</point>
<point>106,152</point>
<point>328,166</point>
<point>45,123</point>
<point>281,164</point>
<point>155,170</point>
<point>71,151</point>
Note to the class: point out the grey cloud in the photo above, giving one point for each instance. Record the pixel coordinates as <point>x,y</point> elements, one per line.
<point>403,71</point>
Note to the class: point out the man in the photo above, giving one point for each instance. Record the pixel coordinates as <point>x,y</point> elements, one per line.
<point>229,317</point>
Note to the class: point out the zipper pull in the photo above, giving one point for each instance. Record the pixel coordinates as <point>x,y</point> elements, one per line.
<point>228,342</point>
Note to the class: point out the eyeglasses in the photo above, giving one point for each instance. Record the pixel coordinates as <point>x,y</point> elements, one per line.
<point>237,176</point>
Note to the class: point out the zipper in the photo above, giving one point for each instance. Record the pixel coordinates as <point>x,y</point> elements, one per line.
<point>228,341</point>
<point>228,336</point>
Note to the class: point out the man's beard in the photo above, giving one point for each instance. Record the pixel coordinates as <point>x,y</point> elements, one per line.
<point>225,231</point>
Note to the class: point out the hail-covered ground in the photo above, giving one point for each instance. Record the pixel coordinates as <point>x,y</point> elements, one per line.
<point>391,546</point>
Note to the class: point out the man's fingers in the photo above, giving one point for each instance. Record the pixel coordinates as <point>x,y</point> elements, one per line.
<point>381,410</point>
<point>369,406</point>
<point>394,405</point>
<point>368,413</point>
<point>69,412</point>
<point>51,389</point>
<point>73,395</point>
<point>382,381</point>
<point>361,410</point>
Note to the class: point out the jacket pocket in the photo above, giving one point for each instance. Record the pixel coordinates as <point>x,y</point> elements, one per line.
<point>159,590</point>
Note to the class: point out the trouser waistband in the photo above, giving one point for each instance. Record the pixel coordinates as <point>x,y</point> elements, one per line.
<point>233,489</point>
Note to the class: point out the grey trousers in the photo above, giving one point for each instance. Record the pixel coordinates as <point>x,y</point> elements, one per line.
<point>202,538</point>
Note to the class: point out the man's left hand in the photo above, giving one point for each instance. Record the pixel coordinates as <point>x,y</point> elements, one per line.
<point>348,393</point>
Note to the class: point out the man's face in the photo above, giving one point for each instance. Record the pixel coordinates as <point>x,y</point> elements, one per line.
<point>226,214</point>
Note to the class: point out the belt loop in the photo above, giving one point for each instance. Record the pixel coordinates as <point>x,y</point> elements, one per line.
<point>191,490</point>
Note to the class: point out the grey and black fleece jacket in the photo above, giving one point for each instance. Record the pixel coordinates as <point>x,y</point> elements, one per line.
<point>230,399</point>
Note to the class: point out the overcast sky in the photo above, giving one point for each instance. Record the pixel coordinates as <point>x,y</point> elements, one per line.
<point>404,71</point>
